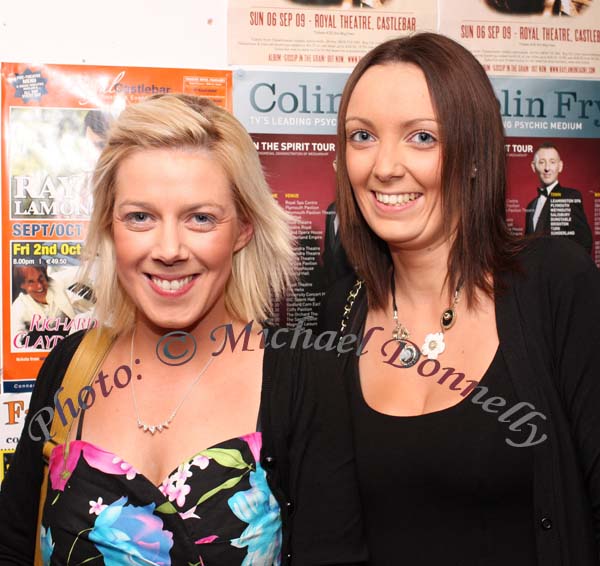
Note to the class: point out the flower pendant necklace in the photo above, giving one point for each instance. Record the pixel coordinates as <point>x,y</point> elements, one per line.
<point>434,343</point>
<point>153,428</point>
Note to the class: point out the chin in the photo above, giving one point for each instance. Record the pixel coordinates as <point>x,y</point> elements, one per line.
<point>179,323</point>
<point>406,236</point>
<point>170,322</point>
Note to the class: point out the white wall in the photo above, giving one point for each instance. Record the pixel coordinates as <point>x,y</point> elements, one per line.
<point>144,33</point>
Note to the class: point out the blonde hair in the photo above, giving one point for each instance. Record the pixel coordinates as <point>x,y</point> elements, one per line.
<point>262,271</point>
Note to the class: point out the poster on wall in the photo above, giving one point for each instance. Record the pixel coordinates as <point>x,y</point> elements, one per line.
<point>536,38</point>
<point>54,124</point>
<point>331,33</point>
<point>292,118</point>
<point>552,147</point>
<point>13,409</point>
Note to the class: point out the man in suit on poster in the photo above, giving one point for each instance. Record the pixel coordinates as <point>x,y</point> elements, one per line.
<point>557,210</point>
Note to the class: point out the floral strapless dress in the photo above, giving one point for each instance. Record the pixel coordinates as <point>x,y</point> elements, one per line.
<point>216,509</point>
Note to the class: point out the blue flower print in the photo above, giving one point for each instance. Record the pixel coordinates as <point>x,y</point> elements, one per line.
<point>126,534</point>
<point>260,510</point>
<point>46,545</point>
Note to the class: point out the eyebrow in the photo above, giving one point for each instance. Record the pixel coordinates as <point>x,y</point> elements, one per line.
<point>142,204</point>
<point>407,123</point>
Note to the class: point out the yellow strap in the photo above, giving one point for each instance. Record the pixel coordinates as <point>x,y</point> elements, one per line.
<point>82,370</point>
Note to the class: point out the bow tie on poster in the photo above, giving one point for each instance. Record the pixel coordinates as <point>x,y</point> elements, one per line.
<point>542,191</point>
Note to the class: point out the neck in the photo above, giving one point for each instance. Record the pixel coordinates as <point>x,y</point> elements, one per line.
<point>420,274</point>
<point>207,336</point>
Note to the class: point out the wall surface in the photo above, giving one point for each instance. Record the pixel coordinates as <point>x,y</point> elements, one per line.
<point>150,33</point>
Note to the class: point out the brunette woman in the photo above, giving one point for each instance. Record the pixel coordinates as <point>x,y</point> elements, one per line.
<point>475,400</point>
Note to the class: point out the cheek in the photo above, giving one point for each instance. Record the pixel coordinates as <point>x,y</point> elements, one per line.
<point>216,251</point>
<point>128,240</point>
<point>358,167</point>
<point>129,247</point>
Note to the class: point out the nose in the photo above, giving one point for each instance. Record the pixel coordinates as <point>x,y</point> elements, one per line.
<point>388,162</point>
<point>170,246</point>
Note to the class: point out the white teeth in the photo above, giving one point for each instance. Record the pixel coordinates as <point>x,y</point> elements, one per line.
<point>397,199</point>
<point>174,285</point>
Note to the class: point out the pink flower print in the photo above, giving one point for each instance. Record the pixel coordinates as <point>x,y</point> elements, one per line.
<point>164,487</point>
<point>104,461</point>
<point>254,442</point>
<point>206,540</point>
<point>59,468</point>
<point>178,492</point>
<point>96,507</point>
<point>189,514</point>
<point>126,468</point>
<point>182,474</point>
<point>201,461</point>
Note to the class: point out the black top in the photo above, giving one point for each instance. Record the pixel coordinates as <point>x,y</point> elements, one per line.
<point>571,221</point>
<point>548,322</point>
<point>306,452</point>
<point>445,487</point>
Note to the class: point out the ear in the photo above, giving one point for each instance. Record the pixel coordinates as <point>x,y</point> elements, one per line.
<point>560,166</point>
<point>533,166</point>
<point>246,231</point>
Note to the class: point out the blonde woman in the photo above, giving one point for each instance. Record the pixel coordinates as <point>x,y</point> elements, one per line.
<point>228,458</point>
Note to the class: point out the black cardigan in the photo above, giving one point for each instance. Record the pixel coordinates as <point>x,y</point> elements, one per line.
<point>307,454</point>
<point>548,322</point>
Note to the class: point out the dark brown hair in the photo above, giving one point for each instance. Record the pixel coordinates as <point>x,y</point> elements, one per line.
<point>20,270</point>
<point>473,169</point>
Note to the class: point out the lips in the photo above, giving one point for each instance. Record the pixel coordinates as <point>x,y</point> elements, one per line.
<point>396,199</point>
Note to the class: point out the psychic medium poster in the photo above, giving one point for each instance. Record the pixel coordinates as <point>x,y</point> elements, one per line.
<point>553,126</point>
<point>292,118</point>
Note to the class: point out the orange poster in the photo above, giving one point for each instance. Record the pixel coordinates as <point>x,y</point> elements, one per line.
<point>54,123</point>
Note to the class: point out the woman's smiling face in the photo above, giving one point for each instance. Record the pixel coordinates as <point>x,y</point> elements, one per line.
<point>175,230</point>
<point>394,157</point>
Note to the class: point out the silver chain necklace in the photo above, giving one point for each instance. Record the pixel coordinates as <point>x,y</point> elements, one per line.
<point>165,424</point>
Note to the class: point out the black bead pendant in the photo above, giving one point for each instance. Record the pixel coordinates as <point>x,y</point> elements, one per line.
<point>448,319</point>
